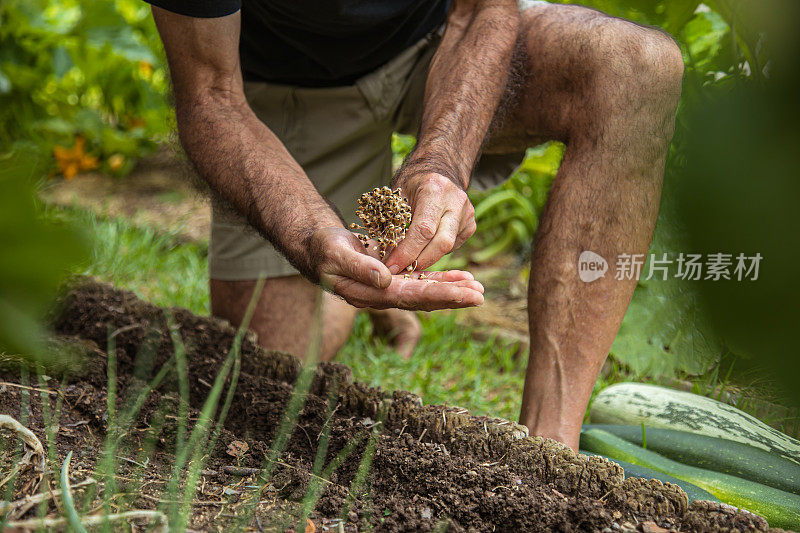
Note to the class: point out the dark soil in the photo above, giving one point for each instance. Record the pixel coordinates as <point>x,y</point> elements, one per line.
<point>433,467</point>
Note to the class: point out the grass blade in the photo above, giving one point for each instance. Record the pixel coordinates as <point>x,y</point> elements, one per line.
<point>66,497</point>
<point>197,444</point>
<point>291,414</point>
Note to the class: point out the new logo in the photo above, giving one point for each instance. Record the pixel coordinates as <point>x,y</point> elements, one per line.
<point>591,266</point>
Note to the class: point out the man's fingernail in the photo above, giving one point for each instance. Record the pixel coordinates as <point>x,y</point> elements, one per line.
<point>394,269</point>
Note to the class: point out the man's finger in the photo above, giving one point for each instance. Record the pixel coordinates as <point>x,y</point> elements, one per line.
<point>468,227</point>
<point>363,268</point>
<point>445,275</point>
<point>424,224</point>
<point>466,283</point>
<point>442,243</point>
<point>415,294</point>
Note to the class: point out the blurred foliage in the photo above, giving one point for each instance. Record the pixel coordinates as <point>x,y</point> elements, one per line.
<point>85,75</point>
<point>739,193</point>
<point>36,256</point>
<point>508,215</point>
<point>668,328</point>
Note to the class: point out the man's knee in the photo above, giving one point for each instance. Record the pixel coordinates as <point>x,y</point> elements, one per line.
<point>636,65</point>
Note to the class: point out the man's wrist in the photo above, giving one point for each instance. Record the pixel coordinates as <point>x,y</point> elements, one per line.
<point>420,164</point>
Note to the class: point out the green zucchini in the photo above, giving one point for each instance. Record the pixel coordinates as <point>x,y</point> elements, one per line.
<point>780,508</point>
<point>659,407</point>
<point>631,470</point>
<point>712,453</point>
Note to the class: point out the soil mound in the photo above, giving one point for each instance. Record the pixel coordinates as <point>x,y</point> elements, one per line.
<point>432,467</point>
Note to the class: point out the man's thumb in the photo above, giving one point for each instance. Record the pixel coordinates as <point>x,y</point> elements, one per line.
<point>366,269</point>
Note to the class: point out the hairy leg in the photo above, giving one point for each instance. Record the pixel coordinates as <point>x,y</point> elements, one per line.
<point>283,313</point>
<point>402,329</point>
<point>608,89</point>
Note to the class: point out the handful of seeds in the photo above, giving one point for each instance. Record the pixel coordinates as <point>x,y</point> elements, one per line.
<point>385,215</point>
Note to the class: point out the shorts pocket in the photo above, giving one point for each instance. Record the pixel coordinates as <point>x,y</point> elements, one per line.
<point>384,88</point>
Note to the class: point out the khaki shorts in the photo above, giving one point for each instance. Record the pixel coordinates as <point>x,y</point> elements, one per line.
<point>341,137</point>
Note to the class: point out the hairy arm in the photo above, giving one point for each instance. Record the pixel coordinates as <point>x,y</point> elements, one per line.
<point>247,164</point>
<point>466,81</point>
<point>234,151</point>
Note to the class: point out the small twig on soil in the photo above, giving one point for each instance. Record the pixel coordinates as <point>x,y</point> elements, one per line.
<point>240,470</point>
<point>173,417</point>
<point>421,435</point>
<point>311,444</point>
<point>347,489</point>
<point>204,382</point>
<point>20,507</point>
<point>196,502</point>
<point>319,436</point>
<point>26,434</point>
<point>123,329</point>
<point>29,438</point>
<point>134,462</point>
<point>37,523</point>
<point>17,385</point>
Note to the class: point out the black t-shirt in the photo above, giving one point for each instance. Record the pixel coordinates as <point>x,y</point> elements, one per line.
<point>323,42</point>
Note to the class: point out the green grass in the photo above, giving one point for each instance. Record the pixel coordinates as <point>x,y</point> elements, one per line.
<point>161,268</point>
<point>448,367</point>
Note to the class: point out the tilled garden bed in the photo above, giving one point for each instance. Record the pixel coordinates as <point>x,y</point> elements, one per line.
<point>416,467</point>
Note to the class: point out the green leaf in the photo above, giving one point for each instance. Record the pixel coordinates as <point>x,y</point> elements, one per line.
<point>677,13</point>
<point>705,35</point>
<point>37,254</point>
<point>665,331</point>
<point>5,83</point>
<point>62,61</point>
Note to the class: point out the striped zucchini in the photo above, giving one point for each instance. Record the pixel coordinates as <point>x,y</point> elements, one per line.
<point>659,407</point>
<point>631,470</point>
<point>712,453</point>
<point>780,508</point>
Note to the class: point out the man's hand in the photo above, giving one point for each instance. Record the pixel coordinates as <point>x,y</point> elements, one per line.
<point>442,220</point>
<point>363,281</point>
<point>466,79</point>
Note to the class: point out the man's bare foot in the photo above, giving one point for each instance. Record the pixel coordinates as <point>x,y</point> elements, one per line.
<point>401,328</point>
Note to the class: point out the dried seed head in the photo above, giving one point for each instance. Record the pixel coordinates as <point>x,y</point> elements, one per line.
<point>384,215</point>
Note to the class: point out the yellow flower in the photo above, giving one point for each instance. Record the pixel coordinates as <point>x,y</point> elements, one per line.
<point>145,69</point>
<point>70,161</point>
<point>116,161</point>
